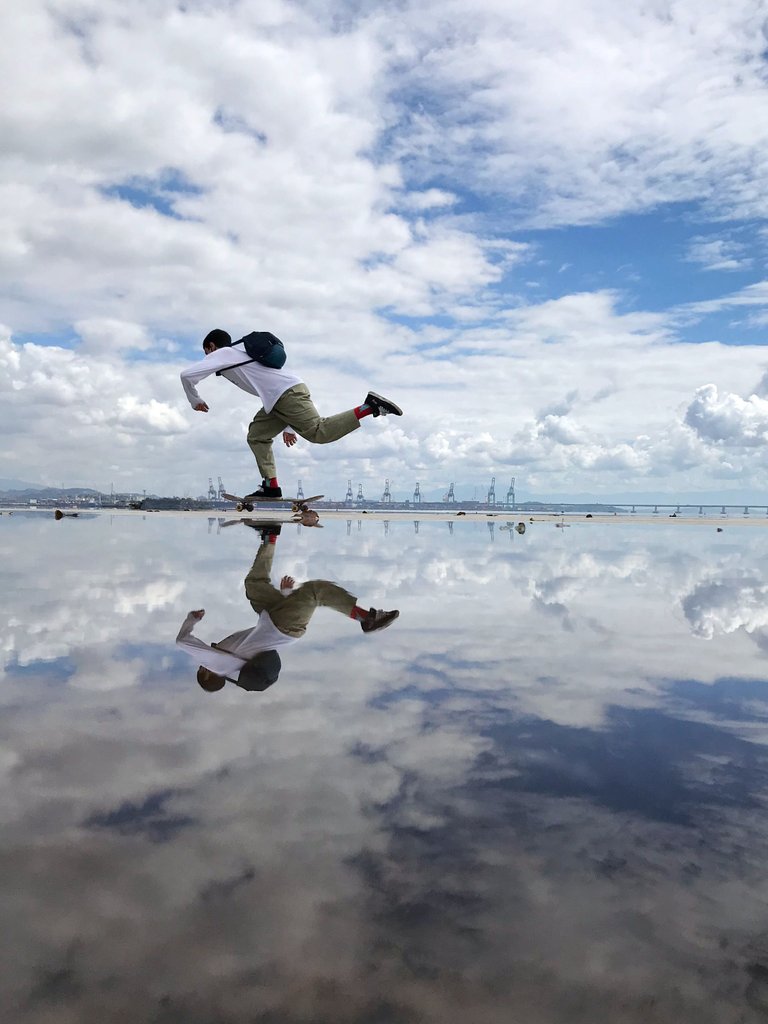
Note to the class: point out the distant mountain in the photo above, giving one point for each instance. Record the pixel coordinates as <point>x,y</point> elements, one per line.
<point>10,484</point>
<point>25,493</point>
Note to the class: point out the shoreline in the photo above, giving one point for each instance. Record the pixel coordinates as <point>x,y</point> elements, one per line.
<point>435,515</point>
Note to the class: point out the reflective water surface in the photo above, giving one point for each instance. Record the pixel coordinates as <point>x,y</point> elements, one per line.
<point>539,795</point>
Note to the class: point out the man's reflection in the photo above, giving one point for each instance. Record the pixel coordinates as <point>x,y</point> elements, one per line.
<point>249,658</point>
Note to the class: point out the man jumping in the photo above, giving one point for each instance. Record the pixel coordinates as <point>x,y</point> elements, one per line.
<point>287,405</point>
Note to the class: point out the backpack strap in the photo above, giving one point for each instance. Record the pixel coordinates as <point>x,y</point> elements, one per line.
<point>235,366</point>
<point>219,372</point>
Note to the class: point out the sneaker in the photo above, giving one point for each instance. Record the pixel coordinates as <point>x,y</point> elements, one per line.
<point>382,406</point>
<point>264,492</point>
<point>377,620</point>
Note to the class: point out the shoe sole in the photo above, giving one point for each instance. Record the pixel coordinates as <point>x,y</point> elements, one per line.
<point>383,625</point>
<point>388,408</point>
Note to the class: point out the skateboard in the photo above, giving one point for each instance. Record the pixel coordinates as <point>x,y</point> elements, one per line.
<point>297,504</point>
<point>273,524</point>
<point>255,524</point>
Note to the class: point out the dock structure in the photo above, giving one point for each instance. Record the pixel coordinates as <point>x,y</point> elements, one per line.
<point>679,508</point>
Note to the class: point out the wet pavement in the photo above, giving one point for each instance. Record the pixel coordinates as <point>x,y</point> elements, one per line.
<point>537,796</point>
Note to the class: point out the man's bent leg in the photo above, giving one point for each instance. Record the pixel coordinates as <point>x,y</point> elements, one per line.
<point>296,407</point>
<point>258,583</point>
<point>264,426</point>
<point>296,610</point>
<point>331,595</point>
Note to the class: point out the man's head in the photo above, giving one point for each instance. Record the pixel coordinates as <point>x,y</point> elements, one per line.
<point>215,339</point>
<point>210,681</point>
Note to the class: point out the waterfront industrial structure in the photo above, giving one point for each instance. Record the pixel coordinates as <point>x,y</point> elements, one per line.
<point>214,499</point>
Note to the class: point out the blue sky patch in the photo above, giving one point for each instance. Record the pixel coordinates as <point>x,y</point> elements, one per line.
<point>159,193</point>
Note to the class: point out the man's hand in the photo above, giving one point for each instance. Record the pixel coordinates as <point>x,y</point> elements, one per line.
<point>201,407</point>
<point>198,614</point>
<point>289,438</point>
<point>287,583</point>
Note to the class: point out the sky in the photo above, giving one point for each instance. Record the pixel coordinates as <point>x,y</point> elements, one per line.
<point>539,228</point>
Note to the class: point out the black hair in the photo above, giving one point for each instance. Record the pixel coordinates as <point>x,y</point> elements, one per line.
<point>210,681</point>
<point>217,338</point>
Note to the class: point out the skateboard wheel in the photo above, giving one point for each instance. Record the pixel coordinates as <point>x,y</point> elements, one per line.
<point>239,507</point>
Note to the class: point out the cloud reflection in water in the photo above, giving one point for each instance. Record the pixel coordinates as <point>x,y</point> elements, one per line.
<point>476,813</point>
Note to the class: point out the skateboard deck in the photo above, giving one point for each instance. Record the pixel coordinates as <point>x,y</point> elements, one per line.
<point>266,524</point>
<point>297,504</point>
<point>256,524</point>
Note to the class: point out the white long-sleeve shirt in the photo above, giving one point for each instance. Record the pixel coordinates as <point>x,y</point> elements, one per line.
<point>231,653</point>
<point>262,381</point>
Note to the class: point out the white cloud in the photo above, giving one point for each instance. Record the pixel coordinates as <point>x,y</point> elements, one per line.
<point>721,606</point>
<point>293,156</point>
<point>717,254</point>
<point>149,417</point>
<point>728,419</point>
<point>751,301</point>
<point>602,109</point>
<point>555,412</point>
<point>430,199</point>
<point>108,336</point>
<point>753,295</point>
<point>97,669</point>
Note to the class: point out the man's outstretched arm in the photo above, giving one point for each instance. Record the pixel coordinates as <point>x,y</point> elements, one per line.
<point>219,359</point>
<point>191,376</point>
<point>189,623</point>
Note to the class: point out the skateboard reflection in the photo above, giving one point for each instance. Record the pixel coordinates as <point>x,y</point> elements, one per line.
<point>306,518</point>
<point>250,658</point>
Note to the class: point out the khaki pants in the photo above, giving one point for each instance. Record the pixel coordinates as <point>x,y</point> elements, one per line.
<point>291,613</point>
<point>295,408</point>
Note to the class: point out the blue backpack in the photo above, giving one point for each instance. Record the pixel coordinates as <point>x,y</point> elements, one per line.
<point>262,347</point>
